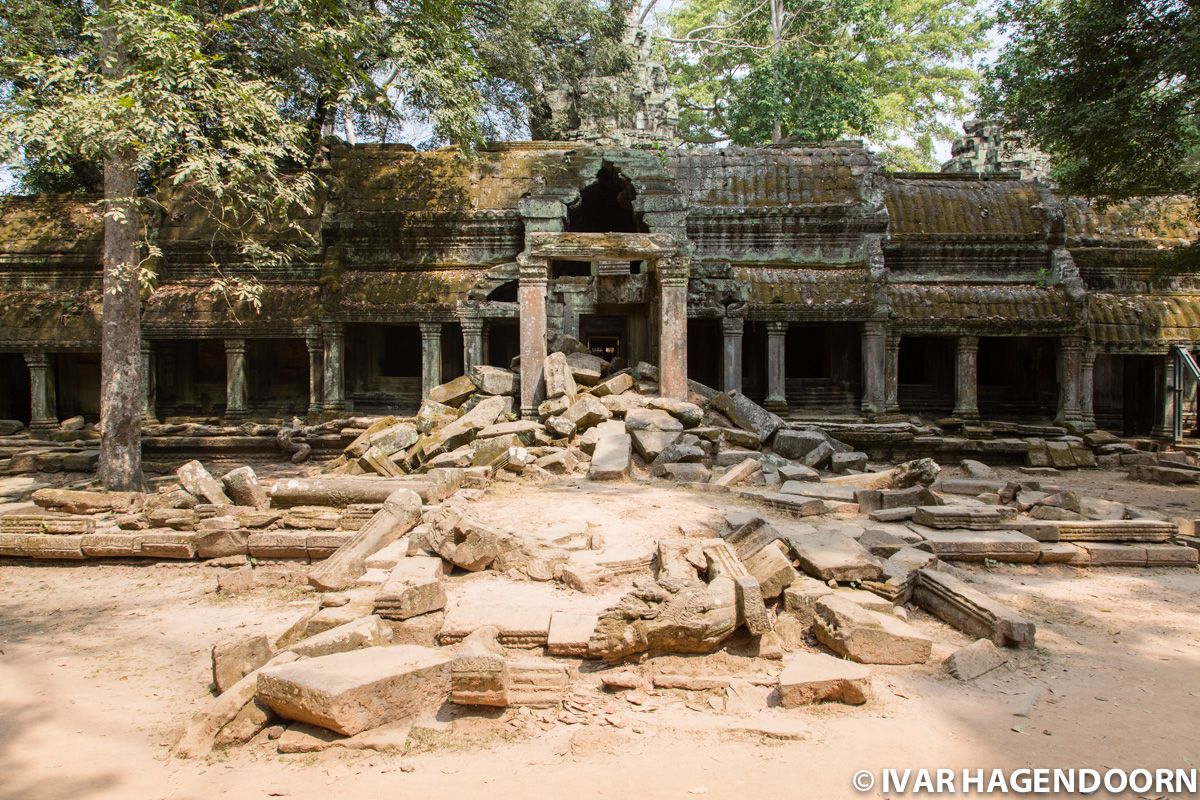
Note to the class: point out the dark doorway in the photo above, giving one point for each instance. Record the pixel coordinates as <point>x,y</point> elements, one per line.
<point>190,377</point>
<point>706,352</point>
<point>823,367</point>
<point>926,374</point>
<point>14,388</point>
<point>605,335</point>
<point>77,385</point>
<point>1017,378</point>
<point>276,377</point>
<point>383,368</point>
<point>503,343</point>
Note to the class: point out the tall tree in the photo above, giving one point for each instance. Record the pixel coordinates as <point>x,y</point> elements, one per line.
<point>220,101</point>
<point>1108,88</point>
<point>894,71</point>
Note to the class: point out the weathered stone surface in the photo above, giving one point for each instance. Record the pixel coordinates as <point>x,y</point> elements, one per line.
<point>800,599</point>
<point>969,486</point>
<point>466,541</point>
<point>414,586</point>
<point>844,462</point>
<point>684,473</point>
<point>819,456</point>
<point>616,385</point>
<point>234,659</point>
<point>795,505</point>
<point>569,633</point>
<point>772,569</point>
<point>870,500</point>
<point>688,414</point>
<point>400,513</point>
<point>453,393</point>
<point>197,480</point>
<point>277,544</point>
<point>463,429</point>
<point>369,631</point>
<point>818,678</point>
<point>971,611</point>
<point>798,472</point>
<point>739,473</point>
<point>966,545</point>
<point>866,636</point>
<point>977,658</point>
<point>243,488</point>
<point>747,414</point>
<point>1096,508</point>
<point>651,419</point>
<point>974,518</point>
<point>978,470</point>
<point>495,380</point>
<point>1114,530</point>
<point>82,502</point>
<point>556,372</point>
<point>651,443</point>
<point>586,412</point>
<point>834,556</point>
<point>586,368</point>
<point>656,618</point>
<point>352,692</point>
<point>611,459</point>
<point>561,427</point>
<point>432,487</point>
<point>795,445</point>
<point>1110,554</point>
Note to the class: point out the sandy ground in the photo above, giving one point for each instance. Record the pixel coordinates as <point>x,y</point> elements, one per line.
<point>100,664</point>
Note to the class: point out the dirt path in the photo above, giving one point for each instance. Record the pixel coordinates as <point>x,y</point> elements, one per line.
<point>102,663</point>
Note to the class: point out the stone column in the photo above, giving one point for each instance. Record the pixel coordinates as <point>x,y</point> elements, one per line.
<point>891,375</point>
<point>316,353</point>
<point>731,353</point>
<point>335,347</point>
<point>1070,358</point>
<point>1087,388</point>
<point>672,337</point>
<point>42,414</point>
<point>966,390</point>
<point>531,304</point>
<point>149,386</point>
<point>431,357</point>
<point>235,378</point>
<point>776,373</point>
<point>874,354</point>
<point>472,332</point>
<point>1165,381</point>
<point>486,346</point>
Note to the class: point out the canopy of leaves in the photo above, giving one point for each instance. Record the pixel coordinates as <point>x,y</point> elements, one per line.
<point>1108,88</point>
<point>897,72</point>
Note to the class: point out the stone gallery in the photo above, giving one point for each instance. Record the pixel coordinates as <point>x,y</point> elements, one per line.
<point>806,277</point>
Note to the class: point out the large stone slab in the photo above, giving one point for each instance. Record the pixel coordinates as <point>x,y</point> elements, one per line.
<point>413,587</point>
<point>612,458</point>
<point>965,545</point>
<point>1108,530</point>
<point>586,412</point>
<point>747,414</point>
<point>971,611</point>
<point>835,556</point>
<point>976,518</point>
<point>495,380</point>
<point>556,372</point>
<point>369,631</point>
<point>977,658</point>
<point>650,443</point>
<point>866,636</point>
<point>349,693</point>
<point>819,678</point>
<point>453,393</point>
<point>197,480</point>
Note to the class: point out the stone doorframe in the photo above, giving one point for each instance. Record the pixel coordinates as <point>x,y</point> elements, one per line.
<point>662,255</point>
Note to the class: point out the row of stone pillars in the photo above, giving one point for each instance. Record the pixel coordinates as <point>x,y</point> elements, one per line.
<point>881,371</point>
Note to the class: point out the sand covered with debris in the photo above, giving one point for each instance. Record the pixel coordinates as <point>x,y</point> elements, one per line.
<point>104,662</point>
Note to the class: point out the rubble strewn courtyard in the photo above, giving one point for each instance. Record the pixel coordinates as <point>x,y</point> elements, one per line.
<point>463,601</point>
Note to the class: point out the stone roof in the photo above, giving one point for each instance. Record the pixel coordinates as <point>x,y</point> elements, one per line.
<point>956,207</point>
<point>50,224</point>
<point>68,319</point>
<point>983,310</point>
<point>799,293</point>
<point>194,308</point>
<point>1134,321</point>
<point>1146,222</point>
<point>383,296</point>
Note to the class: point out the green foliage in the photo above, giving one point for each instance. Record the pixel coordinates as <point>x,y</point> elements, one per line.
<point>894,71</point>
<point>1108,88</point>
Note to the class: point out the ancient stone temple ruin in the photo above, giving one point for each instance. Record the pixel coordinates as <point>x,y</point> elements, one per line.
<point>806,276</point>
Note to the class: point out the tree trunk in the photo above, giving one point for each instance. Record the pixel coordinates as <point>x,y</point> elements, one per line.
<point>121,332</point>
<point>776,46</point>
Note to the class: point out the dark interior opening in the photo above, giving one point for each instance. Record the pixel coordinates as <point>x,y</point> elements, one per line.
<point>706,352</point>
<point>504,293</point>
<point>277,376</point>
<point>823,367</point>
<point>925,375</point>
<point>605,206</point>
<point>605,335</point>
<point>190,377</point>
<point>400,353</point>
<point>806,354</point>
<point>14,388</point>
<point>503,343</point>
<point>1126,391</point>
<point>452,352</point>
<point>1017,378</point>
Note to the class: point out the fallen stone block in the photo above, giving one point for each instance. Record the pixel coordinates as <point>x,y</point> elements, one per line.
<point>658,618</point>
<point>969,486</point>
<point>278,544</point>
<point>38,524</point>
<point>518,626</point>
<point>1110,554</point>
<point>797,506</point>
<point>611,460</point>
<point>454,393</point>
<point>969,610</point>
<point>495,380</point>
<point>615,385</point>
<point>370,631</point>
<point>722,561</point>
<point>979,657</point>
<point>966,545</point>
<point>352,692</point>
<point>739,473</point>
<point>651,443</point>
<point>810,678</point>
<point>243,488</point>
<point>586,412</point>
<point>338,492</point>
<point>834,556</point>
<point>685,473</point>
<point>400,513</point>
<point>866,636</point>
<point>234,659</point>
<point>870,500</point>
<point>747,414</point>
<point>846,462</point>
<point>1115,530</point>
<point>110,545</point>
<point>71,501</point>
<point>653,419</point>
<point>413,587</point>
<point>586,368</point>
<point>323,544</point>
<point>197,480</point>
<point>166,544</point>
<point>975,518</point>
<point>569,633</point>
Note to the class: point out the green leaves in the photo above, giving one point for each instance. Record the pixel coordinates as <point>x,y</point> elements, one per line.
<point>894,71</point>
<point>1108,88</point>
